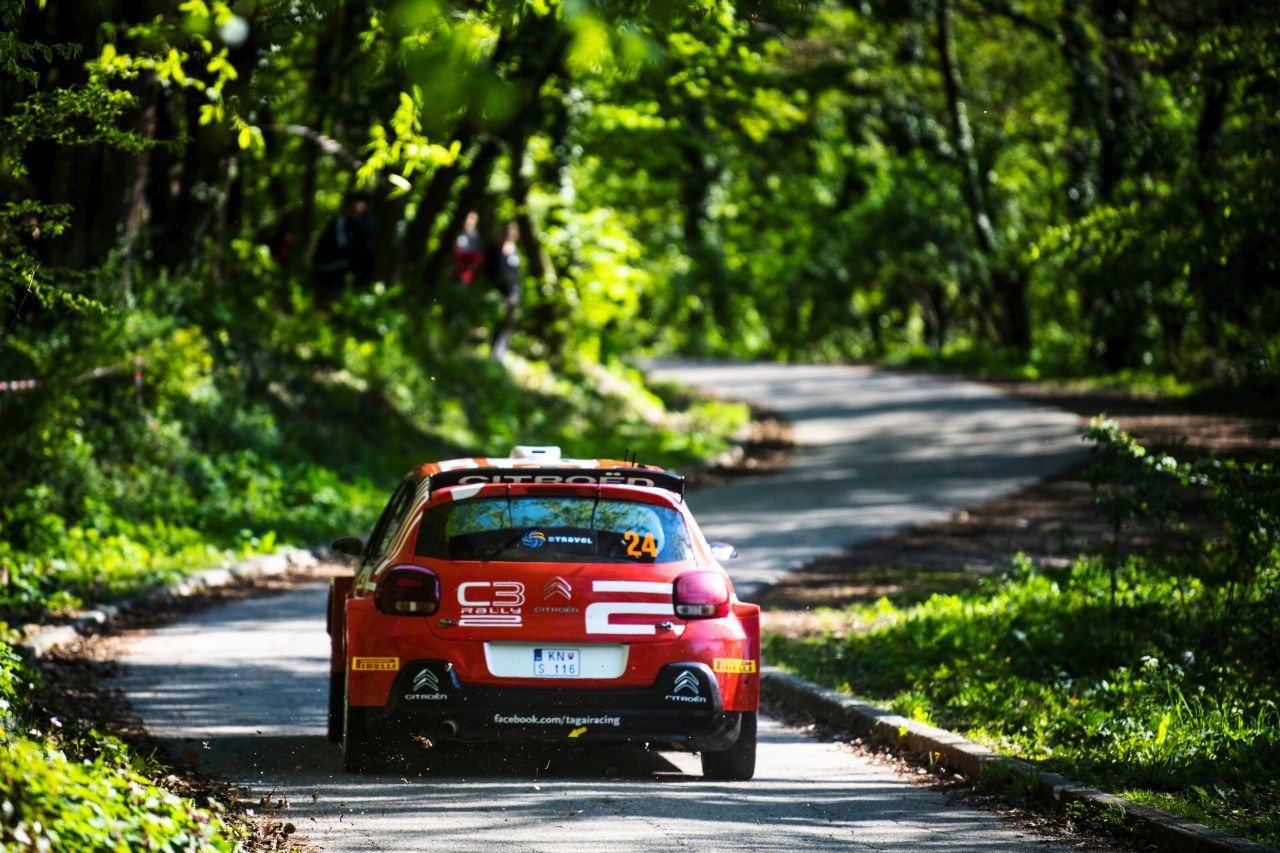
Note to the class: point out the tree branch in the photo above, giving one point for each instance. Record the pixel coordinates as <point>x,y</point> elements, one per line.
<point>1001,9</point>
<point>962,136</point>
<point>327,144</point>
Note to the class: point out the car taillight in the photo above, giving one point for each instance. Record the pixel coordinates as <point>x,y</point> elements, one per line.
<point>408,591</point>
<point>701,595</point>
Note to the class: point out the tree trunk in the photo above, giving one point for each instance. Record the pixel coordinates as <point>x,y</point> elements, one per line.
<point>535,255</point>
<point>1115,125</point>
<point>138,209</point>
<point>1008,287</point>
<point>696,179</point>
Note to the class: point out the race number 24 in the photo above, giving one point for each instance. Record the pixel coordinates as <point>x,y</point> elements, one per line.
<point>640,546</point>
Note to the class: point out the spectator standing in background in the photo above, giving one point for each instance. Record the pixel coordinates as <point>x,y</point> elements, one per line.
<point>468,250</point>
<point>510,285</point>
<point>345,249</point>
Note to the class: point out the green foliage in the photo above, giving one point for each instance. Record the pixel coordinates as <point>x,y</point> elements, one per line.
<point>1034,665</point>
<point>128,491</point>
<point>96,794</point>
<point>796,183</point>
<point>1024,189</point>
<point>1152,673</point>
<point>801,192</point>
<point>1240,552</point>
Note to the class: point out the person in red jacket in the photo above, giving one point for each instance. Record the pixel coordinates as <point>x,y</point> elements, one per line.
<point>468,250</point>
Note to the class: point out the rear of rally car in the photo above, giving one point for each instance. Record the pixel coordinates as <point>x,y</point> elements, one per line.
<point>572,608</point>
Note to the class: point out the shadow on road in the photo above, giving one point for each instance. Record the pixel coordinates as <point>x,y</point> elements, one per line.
<point>489,797</point>
<point>282,754</point>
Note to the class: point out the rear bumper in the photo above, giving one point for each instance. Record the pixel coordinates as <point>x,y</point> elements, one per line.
<point>682,708</point>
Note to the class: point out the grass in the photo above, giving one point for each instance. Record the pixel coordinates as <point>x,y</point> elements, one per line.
<point>1170,698</point>
<point>1004,365</point>
<point>89,791</point>
<point>223,467</point>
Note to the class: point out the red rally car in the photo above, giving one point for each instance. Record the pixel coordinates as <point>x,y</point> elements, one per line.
<point>544,599</point>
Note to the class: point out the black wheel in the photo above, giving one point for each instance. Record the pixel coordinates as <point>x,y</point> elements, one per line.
<point>362,749</point>
<point>738,762</point>
<point>337,697</point>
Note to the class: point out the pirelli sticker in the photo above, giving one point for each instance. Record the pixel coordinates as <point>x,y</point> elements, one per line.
<point>733,665</point>
<point>375,664</point>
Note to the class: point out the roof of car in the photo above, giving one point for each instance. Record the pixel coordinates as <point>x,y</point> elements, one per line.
<point>547,471</point>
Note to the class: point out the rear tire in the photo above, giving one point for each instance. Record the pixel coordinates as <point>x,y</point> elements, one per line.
<point>337,700</point>
<point>361,748</point>
<point>738,762</point>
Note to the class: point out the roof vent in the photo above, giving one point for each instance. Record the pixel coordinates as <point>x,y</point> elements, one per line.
<point>543,453</point>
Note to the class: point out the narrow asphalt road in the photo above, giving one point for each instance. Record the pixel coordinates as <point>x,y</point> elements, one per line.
<point>243,686</point>
<point>876,451</point>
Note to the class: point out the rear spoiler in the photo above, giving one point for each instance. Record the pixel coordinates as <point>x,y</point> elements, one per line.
<point>651,477</point>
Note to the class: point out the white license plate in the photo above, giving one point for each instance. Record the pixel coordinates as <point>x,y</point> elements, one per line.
<point>555,663</point>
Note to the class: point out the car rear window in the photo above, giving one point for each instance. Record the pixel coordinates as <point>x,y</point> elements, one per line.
<point>554,530</point>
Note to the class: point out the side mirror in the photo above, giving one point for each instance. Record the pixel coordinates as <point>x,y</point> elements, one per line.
<point>723,551</point>
<point>349,545</point>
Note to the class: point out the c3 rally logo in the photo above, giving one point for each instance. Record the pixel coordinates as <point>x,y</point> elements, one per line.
<point>375,664</point>
<point>493,604</point>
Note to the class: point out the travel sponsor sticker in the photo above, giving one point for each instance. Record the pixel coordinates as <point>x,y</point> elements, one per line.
<point>566,539</point>
<point>375,664</point>
<point>733,665</point>
<point>536,539</point>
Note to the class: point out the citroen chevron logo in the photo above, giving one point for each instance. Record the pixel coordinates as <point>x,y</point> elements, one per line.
<point>426,679</point>
<point>686,681</point>
<point>557,586</point>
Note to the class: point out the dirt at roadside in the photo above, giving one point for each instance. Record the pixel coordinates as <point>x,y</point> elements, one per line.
<point>766,448</point>
<point>76,689</point>
<point>1050,522</point>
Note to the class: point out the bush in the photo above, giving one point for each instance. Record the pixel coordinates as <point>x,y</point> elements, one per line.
<point>293,430</point>
<point>1036,665</point>
<point>94,794</point>
<point>1151,674</point>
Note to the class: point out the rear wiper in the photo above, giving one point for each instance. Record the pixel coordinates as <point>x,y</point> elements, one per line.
<point>486,553</point>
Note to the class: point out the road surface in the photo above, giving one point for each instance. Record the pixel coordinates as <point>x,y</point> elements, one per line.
<point>243,686</point>
<point>876,451</point>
